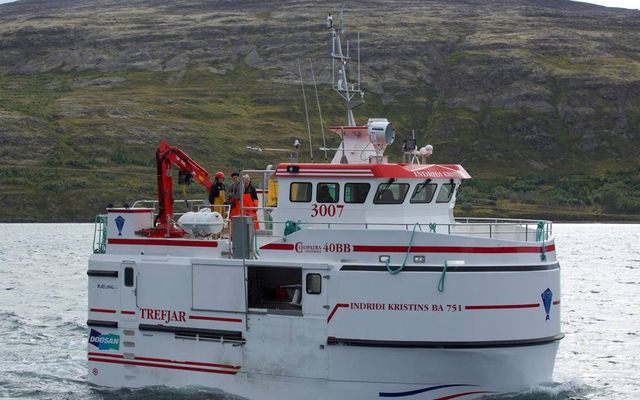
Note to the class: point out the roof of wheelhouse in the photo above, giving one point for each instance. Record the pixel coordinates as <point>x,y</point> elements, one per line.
<point>398,171</point>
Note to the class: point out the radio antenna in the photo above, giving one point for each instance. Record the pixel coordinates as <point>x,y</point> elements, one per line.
<point>315,87</point>
<point>306,111</point>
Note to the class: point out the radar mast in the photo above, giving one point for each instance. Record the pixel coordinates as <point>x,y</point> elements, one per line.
<point>351,93</point>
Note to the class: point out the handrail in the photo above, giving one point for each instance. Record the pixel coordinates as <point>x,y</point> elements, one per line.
<point>483,227</point>
<point>490,228</point>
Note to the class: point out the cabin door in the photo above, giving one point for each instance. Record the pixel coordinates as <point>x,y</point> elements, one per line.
<point>315,286</point>
<point>128,291</point>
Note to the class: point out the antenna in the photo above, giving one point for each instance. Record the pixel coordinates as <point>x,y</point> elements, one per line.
<point>341,84</point>
<point>358,60</point>
<point>306,111</point>
<point>315,87</point>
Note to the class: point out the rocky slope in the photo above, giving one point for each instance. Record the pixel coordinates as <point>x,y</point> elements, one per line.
<point>539,98</point>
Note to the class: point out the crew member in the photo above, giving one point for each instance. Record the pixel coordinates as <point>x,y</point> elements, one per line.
<point>250,199</point>
<point>217,195</point>
<point>233,195</point>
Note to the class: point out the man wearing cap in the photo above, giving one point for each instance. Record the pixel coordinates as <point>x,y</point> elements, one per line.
<point>234,194</point>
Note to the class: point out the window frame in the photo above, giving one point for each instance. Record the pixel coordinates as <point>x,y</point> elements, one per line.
<point>344,197</point>
<point>388,185</point>
<point>452,185</point>
<point>306,283</point>
<point>129,277</point>
<point>423,184</point>
<point>300,183</point>
<point>337,200</point>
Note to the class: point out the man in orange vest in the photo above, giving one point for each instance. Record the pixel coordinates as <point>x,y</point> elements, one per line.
<point>250,199</point>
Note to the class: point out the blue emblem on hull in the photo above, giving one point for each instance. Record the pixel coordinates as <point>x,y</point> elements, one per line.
<point>119,224</point>
<point>547,296</point>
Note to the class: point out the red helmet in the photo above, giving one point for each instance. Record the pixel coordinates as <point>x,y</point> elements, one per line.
<point>219,175</point>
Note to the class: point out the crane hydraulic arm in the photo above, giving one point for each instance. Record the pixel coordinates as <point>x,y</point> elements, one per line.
<point>167,156</point>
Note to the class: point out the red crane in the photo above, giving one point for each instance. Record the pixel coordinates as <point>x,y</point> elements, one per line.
<point>167,156</point>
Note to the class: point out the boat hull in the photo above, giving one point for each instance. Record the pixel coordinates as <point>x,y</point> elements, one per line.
<point>358,373</point>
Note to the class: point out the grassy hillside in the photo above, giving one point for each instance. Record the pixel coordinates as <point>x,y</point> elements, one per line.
<point>540,101</point>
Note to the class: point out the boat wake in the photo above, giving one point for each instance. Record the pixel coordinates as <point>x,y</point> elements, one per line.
<point>574,389</point>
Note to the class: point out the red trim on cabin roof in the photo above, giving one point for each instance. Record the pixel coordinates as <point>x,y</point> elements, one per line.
<point>164,242</point>
<point>410,171</point>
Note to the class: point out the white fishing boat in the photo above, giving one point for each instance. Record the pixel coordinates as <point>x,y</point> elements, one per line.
<point>356,281</point>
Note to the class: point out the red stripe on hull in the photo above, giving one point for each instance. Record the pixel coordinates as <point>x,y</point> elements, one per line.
<point>164,242</point>
<point>555,303</point>
<point>455,396</point>
<point>277,246</point>
<point>146,364</point>
<point>128,312</point>
<point>102,310</point>
<point>105,355</point>
<point>164,360</point>
<point>360,248</point>
<point>215,318</point>
<point>502,306</point>
<point>335,308</point>
<point>450,249</point>
<point>202,364</point>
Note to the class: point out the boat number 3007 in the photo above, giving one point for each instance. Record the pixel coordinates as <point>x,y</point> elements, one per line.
<point>326,210</point>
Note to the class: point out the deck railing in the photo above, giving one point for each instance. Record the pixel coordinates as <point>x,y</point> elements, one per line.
<point>492,228</point>
<point>526,230</point>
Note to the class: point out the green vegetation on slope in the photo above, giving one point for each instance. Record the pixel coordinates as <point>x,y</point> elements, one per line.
<point>540,102</point>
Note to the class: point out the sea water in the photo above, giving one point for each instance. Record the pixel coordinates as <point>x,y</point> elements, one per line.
<point>43,333</point>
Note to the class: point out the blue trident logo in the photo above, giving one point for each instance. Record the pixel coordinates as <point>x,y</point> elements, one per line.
<point>119,224</point>
<point>547,296</point>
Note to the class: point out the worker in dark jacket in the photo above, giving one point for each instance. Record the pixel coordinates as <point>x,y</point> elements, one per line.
<point>233,195</point>
<point>217,194</point>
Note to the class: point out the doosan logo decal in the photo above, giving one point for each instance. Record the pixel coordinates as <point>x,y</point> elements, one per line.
<point>104,342</point>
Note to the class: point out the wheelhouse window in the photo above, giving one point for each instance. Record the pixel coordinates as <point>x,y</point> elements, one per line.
<point>423,193</point>
<point>445,193</point>
<point>328,192</point>
<point>356,192</point>
<point>391,193</point>
<point>300,192</point>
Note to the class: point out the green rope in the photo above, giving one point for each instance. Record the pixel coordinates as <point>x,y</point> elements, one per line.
<point>406,256</point>
<point>291,227</point>
<point>541,237</point>
<point>442,276</point>
<point>540,231</point>
<point>100,233</point>
<point>432,227</point>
